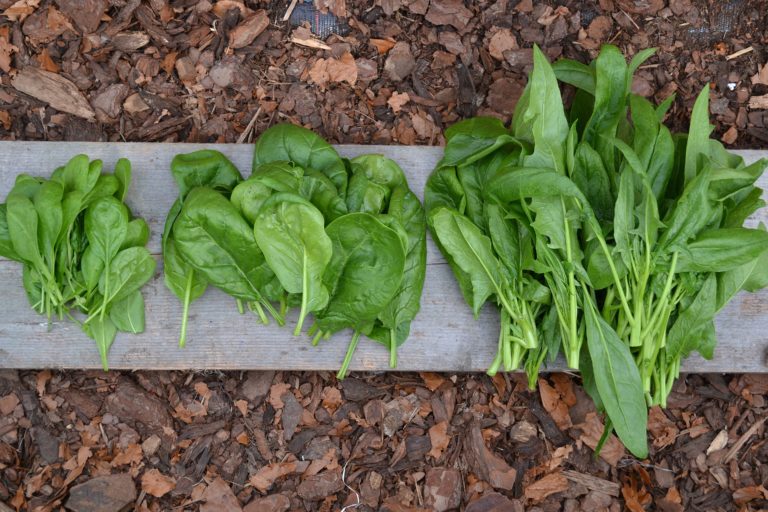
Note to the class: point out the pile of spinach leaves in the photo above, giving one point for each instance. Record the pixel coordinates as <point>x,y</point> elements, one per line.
<point>80,248</point>
<point>598,232</point>
<point>343,240</point>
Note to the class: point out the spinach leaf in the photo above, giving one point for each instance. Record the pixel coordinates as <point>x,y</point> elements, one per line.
<point>290,232</point>
<point>287,142</point>
<point>205,167</point>
<point>128,313</point>
<point>618,382</point>
<point>212,236</point>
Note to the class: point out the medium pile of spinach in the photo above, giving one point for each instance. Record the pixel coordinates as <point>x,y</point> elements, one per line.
<point>80,248</point>
<point>343,240</point>
<point>598,232</point>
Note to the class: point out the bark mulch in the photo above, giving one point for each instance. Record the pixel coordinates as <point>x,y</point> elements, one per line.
<point>205,71</point>
<point>277,441</point>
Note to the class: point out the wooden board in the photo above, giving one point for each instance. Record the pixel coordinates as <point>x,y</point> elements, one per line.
<point>444,337</point>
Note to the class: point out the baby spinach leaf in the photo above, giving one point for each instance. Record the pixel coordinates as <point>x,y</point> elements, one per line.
<point>129,270</point>
<point>123,175</point>
<point>137,233</point>
<point>23,229</point>
<point>6,245</point>
<point>103,331</point>
<point>546,116</point>
<point>128,313</point>
<point>472,139</point>
<point>106,225</point>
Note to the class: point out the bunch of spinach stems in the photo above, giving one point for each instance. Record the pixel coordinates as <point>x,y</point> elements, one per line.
<point>598,232</point>
<point>82,253</point>
<point>342,239</point>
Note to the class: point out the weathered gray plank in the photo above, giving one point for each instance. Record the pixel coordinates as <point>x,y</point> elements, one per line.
<point>444,336</point>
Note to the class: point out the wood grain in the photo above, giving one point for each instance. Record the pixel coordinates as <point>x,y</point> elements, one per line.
<point>444,337</point>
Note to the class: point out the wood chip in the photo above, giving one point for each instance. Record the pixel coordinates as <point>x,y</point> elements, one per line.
<point>244,34</point>
<point>53,89</point>
<point>593,483</point>
<point>758,102</point>
<point>739,53</point>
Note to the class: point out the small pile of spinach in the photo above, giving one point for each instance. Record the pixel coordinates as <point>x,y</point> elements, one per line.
<point>80,248</point>
<point>343,240</point>
<point>599,232</point>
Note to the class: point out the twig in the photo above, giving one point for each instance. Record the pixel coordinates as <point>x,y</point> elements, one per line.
<point>739,53</point>
<point>310,43</point>
<point>744,438</point>
<point>289,11</point>
<point>249,128</point>
<point>630,19</point>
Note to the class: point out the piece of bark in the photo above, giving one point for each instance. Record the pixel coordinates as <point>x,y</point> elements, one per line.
<point>244,34</point>
<point>132,403</point>
<point>86,14</point>
<point>487,465</point>
<point>130,41</point>
<point>103,494</point>
<point>442,489</point>
<point>593,483</point>
<point>317,487</point>
<point>495,502</point>
<point>53,89</point>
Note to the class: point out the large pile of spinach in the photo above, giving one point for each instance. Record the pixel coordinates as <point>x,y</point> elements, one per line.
<point>81,250</point>
<point>598,232</point>
<point>341,239</point>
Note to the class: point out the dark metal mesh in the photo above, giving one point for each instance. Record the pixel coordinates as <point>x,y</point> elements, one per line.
<point>321,24</point>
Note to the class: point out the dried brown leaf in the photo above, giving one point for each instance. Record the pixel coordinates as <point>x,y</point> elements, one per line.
<point>382,45</point>
<point>396,103</point>
<point>592,430</point>
<point>218,496</point>
<point>21,9</point>
<point>431,380</point>
<point>46,62</point>
<point>546,486</point>
<point>501,41</point>
<point>331,398</point>
<point>131,455</point>
<point>663,431</point>
<point>242,406</point>
<point>555,404</point>
<point>438,436</point>
<point>8,403</point>
<point>275,392</point>
<point>6,50</point>
<point>263,479</point>
<point>157,484</point>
